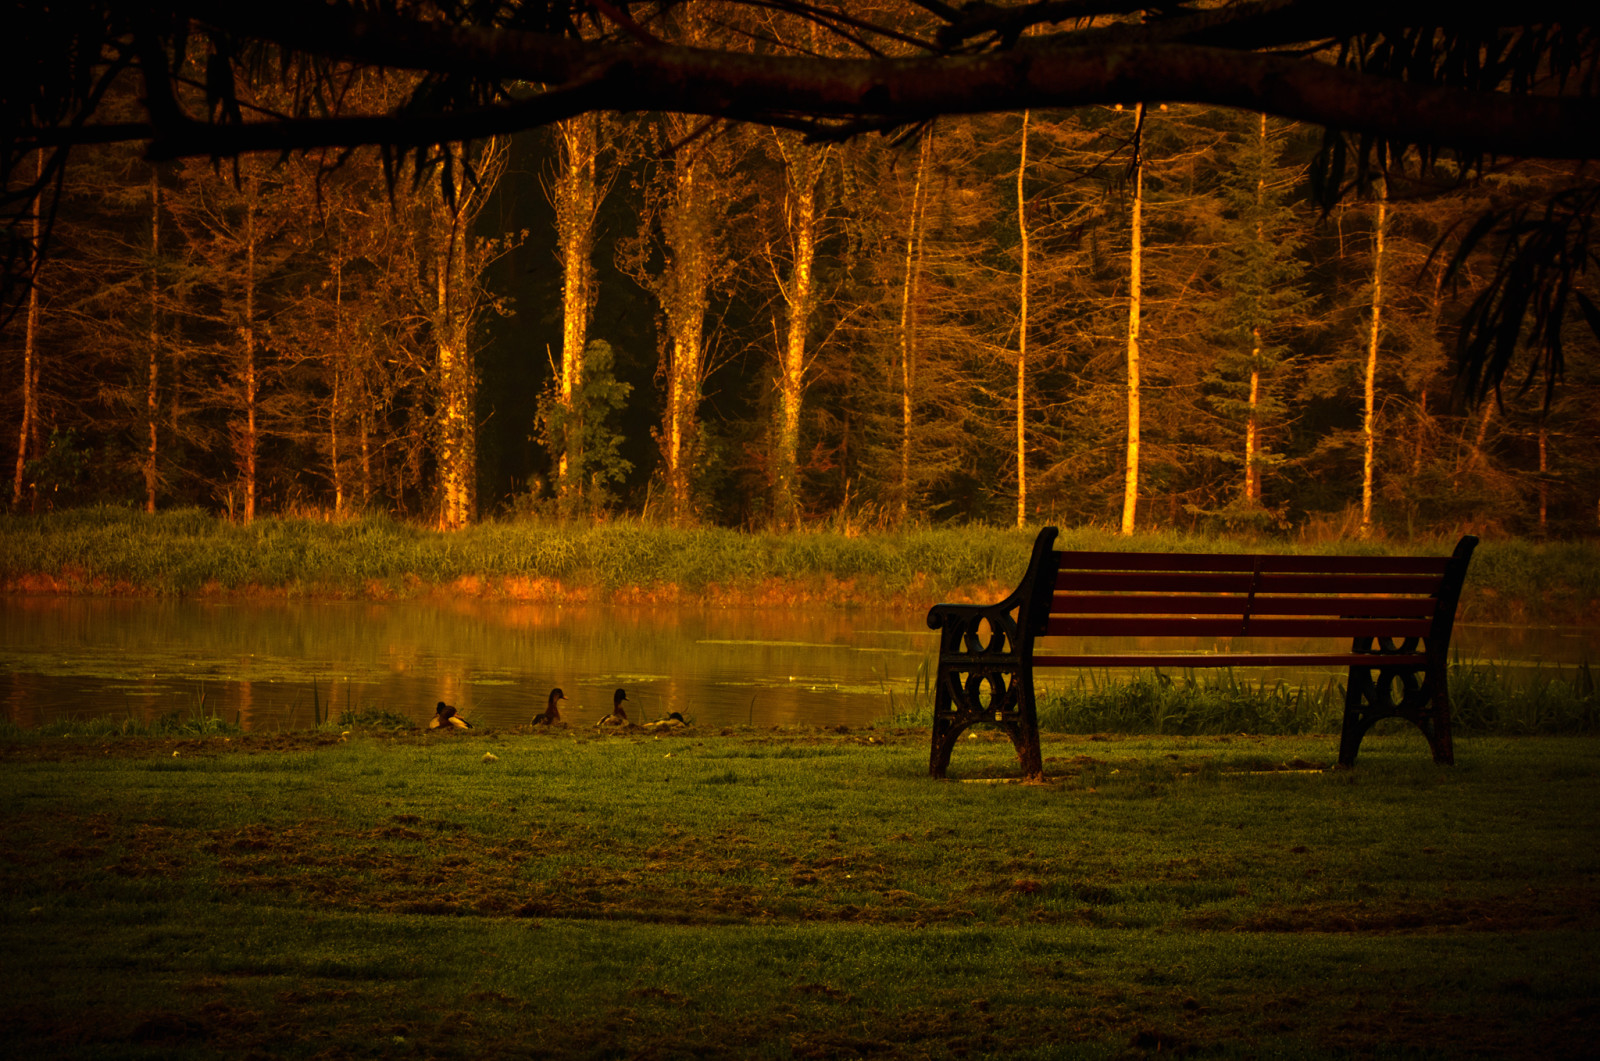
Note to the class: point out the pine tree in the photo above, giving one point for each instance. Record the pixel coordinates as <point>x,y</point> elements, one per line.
<point>1260,279</point>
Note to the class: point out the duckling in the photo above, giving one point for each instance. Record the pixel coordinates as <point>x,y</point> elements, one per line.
<point>445,717</point>
<point>551,714</point>
<point>618,716</point>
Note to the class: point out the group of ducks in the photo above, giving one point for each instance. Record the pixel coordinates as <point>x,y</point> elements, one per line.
<point>445,716</point>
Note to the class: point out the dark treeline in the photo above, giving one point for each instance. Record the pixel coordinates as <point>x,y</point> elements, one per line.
<point>714,322</point>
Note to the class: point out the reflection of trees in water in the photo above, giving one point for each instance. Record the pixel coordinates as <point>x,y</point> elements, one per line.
<point>496,662</point>
<point>22,703</point>
<point>244,704</point>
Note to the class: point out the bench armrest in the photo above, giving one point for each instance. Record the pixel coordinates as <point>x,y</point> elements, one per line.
<point>961,624</point>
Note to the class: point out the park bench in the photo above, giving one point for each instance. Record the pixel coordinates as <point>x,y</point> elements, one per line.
<point>1396,611</point>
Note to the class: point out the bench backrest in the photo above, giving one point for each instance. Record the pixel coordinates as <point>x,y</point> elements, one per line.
<point>1119,594</point>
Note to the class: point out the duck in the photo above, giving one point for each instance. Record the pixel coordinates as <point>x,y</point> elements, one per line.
<point>673,721</point>
<point>551,714</point>
<point>445,717</point>
<point>618,716</point>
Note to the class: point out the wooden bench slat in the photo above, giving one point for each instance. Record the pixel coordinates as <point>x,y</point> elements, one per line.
<point>1234,604</point>
<point>1399,565</point>
<point>1223,659</point>
<point>1225,582</point>
<point>1210,626</point>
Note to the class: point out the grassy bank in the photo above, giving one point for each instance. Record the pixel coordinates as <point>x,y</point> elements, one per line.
<point>189,552</point>
<point>794,895</point>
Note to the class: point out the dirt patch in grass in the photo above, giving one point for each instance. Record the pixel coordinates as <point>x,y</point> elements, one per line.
<point>1528,910</point>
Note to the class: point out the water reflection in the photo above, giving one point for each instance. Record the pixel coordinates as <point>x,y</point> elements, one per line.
<point>274,665</point>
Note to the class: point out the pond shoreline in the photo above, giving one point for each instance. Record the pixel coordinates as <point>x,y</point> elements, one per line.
<point>1480,605</point>
<point>192,555</point>
<point>823,591</point>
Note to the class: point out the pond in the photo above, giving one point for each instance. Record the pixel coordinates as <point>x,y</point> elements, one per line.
<point>270,665</point>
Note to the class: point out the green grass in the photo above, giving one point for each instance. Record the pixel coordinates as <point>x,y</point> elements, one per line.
<point>1486,698</point>
<point>182,552</point>
<point>763,894</point>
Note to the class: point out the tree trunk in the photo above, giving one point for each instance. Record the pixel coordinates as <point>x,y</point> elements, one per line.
<point>457,457</point>
<point>802,169</point>
<point>1374,334</point>
<point>685,305</point>
<point>152,408</point>
<point>1544,483</point>
<point>576,199</point>
<point>908,322</point>
<point>340,355</point>
<point>1130,488</point>
<point>1252,471</point>
<point>248,445</point>
<point>30,343</point>
<point>365,428</point>
<point>1022,332</point>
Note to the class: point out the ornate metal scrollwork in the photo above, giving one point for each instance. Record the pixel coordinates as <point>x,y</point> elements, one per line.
<point>1410,690</point>
<point>985,671</point>
<point>981,677</point>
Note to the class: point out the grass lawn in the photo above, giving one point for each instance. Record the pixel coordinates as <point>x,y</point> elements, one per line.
<point>792,894</point>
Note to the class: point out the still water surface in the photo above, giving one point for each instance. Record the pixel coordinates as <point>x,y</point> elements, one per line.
<point>266,664</point>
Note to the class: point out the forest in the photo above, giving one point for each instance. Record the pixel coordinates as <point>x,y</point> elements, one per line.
<point>1130,316</point>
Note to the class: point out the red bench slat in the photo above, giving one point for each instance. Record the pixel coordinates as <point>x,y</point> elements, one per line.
<point>1221,582</point>
<point>1399,565</point>
<point>1151,604</point>
<point>1223,659</point>
<point>1174,626</point>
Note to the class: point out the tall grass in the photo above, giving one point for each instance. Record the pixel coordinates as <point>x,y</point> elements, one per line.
<point>1486,698</point>
<point>173,724</point>
<point>183,551</point>
<point>1155,702</point>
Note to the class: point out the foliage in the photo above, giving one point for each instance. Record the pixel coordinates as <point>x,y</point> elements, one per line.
<point>190,367</point>
<point>585,433</point>
<point>53,478</point>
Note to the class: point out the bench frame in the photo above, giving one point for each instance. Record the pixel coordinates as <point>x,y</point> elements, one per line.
<point>1399,625</point>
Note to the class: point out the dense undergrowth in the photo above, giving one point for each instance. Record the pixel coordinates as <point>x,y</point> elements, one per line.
<point>189,551</point>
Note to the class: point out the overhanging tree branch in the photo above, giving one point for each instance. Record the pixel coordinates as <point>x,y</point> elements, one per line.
<point>812,92</point>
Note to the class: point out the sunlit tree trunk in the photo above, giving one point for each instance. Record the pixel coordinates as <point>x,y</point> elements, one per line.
<point>30,342</point>
<point>802,169</point>
<point>685,230</point>
<point>248,442</point>
<point>152,404</point>
<point>457,378</point>
<point>1022,332</point>
<point>365,427</point>
<point>576,198</point>
<point>335,400</point>
<point>1374,334</point>
<point>1130,487</point>
<point>1252,470</point>
<point>908,321</point>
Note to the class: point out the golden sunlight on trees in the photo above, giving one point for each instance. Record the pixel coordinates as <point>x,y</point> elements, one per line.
<point>1245,266</point>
